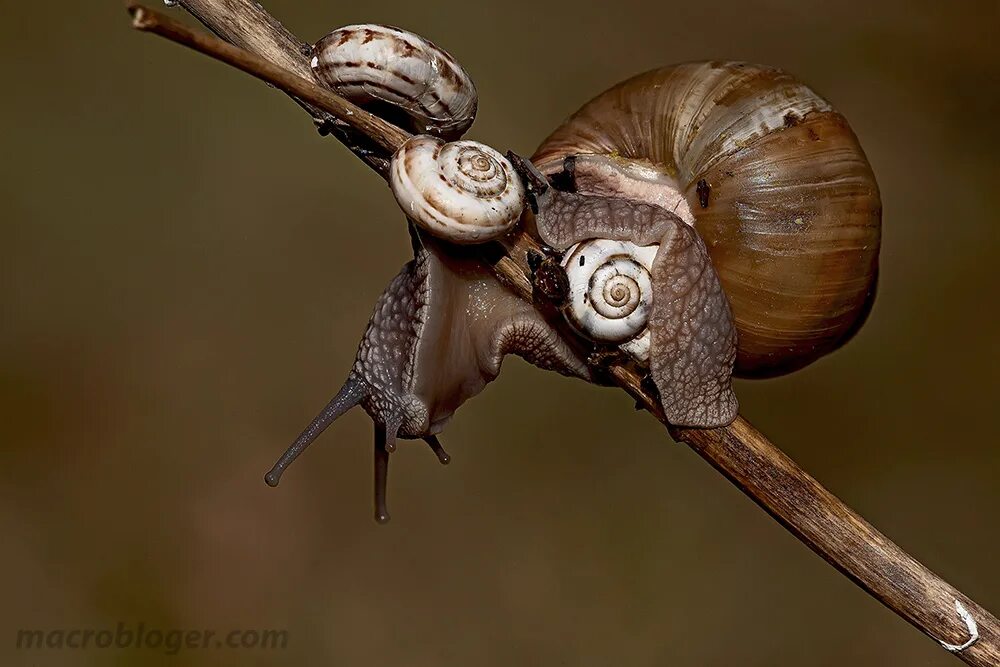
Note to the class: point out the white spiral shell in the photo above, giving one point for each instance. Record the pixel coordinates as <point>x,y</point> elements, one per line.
<point>370,62</point>
<point>611,292</point>
<point>463,192</point>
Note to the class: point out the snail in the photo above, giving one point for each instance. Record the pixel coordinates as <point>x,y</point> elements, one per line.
<point>641,278</point>
<point>463,191</point>
<point>707,220</point>
<point>399,73</point>
<point>768,174</point>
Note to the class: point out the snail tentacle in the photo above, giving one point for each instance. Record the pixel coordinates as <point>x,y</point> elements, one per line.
<point>437,337</point>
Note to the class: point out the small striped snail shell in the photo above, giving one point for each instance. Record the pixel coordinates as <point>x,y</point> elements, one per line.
<point>398,72</point>
<point>610,292</point>
<point>771,177</point>
<point>463,192</point>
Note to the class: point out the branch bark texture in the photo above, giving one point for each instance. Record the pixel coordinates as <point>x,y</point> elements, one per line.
<point>739,451</point>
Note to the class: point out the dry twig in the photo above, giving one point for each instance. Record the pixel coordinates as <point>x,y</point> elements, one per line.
<point>260,46</point>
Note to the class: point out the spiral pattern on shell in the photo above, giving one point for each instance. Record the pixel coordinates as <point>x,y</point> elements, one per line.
<point>372,63</point>
<point>610,290</point>
<point>463,192</point>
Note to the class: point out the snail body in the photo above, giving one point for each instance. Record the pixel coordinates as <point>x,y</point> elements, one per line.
<point>641,278</point>
<point>707,219</point>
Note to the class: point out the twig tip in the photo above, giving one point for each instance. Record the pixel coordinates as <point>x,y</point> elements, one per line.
<point>142,18</point>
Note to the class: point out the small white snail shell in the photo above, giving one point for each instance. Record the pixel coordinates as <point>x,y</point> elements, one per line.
<point>369,62</point>
<point>463,192</point>
<point>610,292</point>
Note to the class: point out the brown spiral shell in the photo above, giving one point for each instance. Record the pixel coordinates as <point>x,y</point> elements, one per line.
<point>772,178</point>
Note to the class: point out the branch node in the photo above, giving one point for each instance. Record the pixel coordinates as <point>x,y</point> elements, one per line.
<point>141,18</point>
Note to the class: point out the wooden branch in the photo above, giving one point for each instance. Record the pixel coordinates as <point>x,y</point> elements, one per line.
<point>740,452</point>
<point>269,50</point>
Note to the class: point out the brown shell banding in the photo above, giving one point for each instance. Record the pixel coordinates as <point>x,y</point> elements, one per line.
<point>368,63</point>
<point>793,218</point>
<point>687,117</point>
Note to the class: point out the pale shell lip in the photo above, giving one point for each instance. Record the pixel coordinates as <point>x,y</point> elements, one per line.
<point>605,258</point>
<point>638,347</point>
<point>616,176</point>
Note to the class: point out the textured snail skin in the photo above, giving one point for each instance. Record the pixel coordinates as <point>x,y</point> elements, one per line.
<point>463,192</point>
<point>566,218</point>
<point>692,335</point>
<point>466,323</point>
<point>437,337</point>
<point>774,181</point>
<point>693,341</point>
<point>377,63</point>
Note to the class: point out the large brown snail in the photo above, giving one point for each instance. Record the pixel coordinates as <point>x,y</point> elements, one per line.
<point>709,219</point>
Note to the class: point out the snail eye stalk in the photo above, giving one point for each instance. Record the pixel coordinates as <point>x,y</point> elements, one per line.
<point>385,442</point>
<point>352,393</point>
<point>435,445</point>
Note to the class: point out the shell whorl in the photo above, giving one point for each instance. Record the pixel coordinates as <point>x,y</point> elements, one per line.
<point>610,292</point>
<point>377,63</point>
<point>772,178</point>
<point>463,192</point>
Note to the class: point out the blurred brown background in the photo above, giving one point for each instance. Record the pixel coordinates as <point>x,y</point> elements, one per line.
<point>187,269</point>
